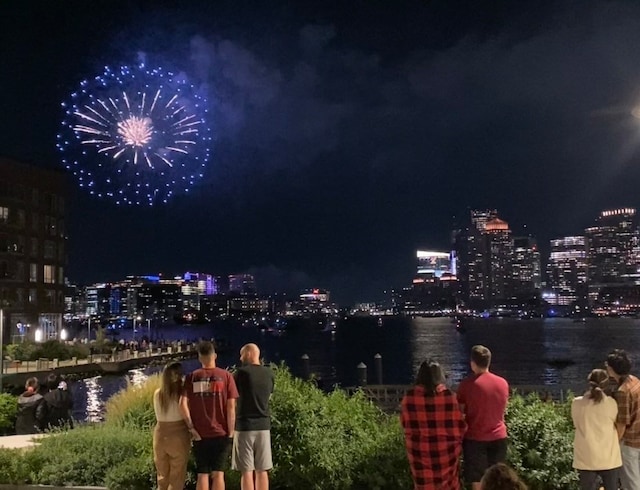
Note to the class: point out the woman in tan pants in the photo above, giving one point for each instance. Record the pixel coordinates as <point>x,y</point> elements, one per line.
<point>171,438</point>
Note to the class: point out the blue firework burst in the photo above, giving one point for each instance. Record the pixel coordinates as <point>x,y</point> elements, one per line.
<point>135,135</point>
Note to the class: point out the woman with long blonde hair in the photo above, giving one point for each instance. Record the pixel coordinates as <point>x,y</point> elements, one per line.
<point>171,438</point>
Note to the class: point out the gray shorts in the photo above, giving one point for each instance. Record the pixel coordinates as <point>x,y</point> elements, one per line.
<point>252,451</point>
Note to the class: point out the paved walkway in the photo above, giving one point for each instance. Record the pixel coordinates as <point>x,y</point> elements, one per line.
<point>20,442</point>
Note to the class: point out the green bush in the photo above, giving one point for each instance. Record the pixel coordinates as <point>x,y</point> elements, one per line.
<point>541,443</point>
<point>386,465</point>
<point>333,441</point>
<point>319,441</point>
<point>8,413</point>
<point>85,455</point>
<point>12,467</point>
<point>51,349</point>
<point>137,473</point>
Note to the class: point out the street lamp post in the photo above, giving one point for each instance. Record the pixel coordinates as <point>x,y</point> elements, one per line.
<point>149,329</point>
<point>134,325</point>
<point>89,330</point>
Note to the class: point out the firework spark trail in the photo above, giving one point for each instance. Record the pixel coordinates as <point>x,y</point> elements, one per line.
<point>129,116</point>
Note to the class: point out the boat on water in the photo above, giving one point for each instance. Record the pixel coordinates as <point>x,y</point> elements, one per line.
<point>331,324</point>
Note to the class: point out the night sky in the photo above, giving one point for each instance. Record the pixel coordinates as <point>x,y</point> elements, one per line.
<point>347,133</point>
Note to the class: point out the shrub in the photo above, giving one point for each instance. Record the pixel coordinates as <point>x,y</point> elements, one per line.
<point>8,413</point>
<point>541,443</point>
<point>319,441</point>
<point>85,455</point>
<point>137,473</point>
<point>133,406</point>
<point>386,465</point>
<point>51,349</point>
<point>331,441</point>
<point>12,469</point>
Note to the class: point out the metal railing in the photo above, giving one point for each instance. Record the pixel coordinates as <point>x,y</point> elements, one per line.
<point>10,367</point>
<point>389,397</point>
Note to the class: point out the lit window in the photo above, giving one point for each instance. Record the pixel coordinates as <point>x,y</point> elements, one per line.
<point>49,274</point>
<point>4,214</point>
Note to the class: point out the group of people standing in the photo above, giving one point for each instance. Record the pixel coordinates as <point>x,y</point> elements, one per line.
<point>607,423</point>
<point>217,415</point>
<point>44,409</point>
<point>441,426</point>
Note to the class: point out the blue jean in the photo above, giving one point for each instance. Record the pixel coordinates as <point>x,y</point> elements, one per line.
<point>630,467</point>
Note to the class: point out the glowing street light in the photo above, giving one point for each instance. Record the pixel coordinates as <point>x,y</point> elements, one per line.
<point>134,324</point>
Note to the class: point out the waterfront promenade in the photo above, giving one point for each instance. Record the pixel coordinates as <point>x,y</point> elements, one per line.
<point>15,373</point>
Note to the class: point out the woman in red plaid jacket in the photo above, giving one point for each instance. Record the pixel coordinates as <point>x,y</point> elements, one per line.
<point>433,428</point>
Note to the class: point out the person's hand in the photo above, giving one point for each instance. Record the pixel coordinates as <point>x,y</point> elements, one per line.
<point>194,434</point>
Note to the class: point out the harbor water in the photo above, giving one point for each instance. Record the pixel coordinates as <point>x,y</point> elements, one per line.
<point>550,352</point>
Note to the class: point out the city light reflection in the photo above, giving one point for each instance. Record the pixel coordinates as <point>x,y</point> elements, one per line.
<point>137,377</point>
<point>95,403</point>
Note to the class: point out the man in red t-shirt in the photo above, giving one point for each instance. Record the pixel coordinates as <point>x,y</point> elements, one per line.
<point>483,397</point>
<point>208,406</point>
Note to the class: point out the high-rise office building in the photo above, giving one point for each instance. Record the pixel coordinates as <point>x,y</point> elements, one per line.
<point>195,286</point>
<point>567,271</point>
<point>613,248</point>
<point>470,247</point>
<point>32,249</point>
<point>499,253</point>
<point>526,274</point>
<point>484,252</point>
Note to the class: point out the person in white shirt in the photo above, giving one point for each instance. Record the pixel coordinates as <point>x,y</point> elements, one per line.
<point>596,449</point>
<point>171,437</point>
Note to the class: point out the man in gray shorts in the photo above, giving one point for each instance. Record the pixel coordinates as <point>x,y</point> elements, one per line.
<point>252,442</point>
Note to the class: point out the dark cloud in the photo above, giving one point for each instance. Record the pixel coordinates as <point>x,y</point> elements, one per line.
<point>347,137</point>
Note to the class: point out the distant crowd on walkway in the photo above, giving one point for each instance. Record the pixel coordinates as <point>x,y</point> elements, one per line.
<point>441,426</point>
<point>44,407</point>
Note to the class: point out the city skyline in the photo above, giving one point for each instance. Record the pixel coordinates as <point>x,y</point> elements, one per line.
<point>345,136</point>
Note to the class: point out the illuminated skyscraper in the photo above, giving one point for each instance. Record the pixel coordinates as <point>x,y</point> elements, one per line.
<point>567,271</point>
<point>525,268</point>
<point>498,254</point>
<point>484,251</point>
<point>613,248</point>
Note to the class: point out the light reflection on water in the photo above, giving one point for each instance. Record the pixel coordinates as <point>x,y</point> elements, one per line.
<point>526,352</point>
<point>95,403</point>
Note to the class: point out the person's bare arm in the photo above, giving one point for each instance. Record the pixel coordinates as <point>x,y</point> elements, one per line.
<point>620,428</point>
<point>186,415</point>
<point>231,416</point>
